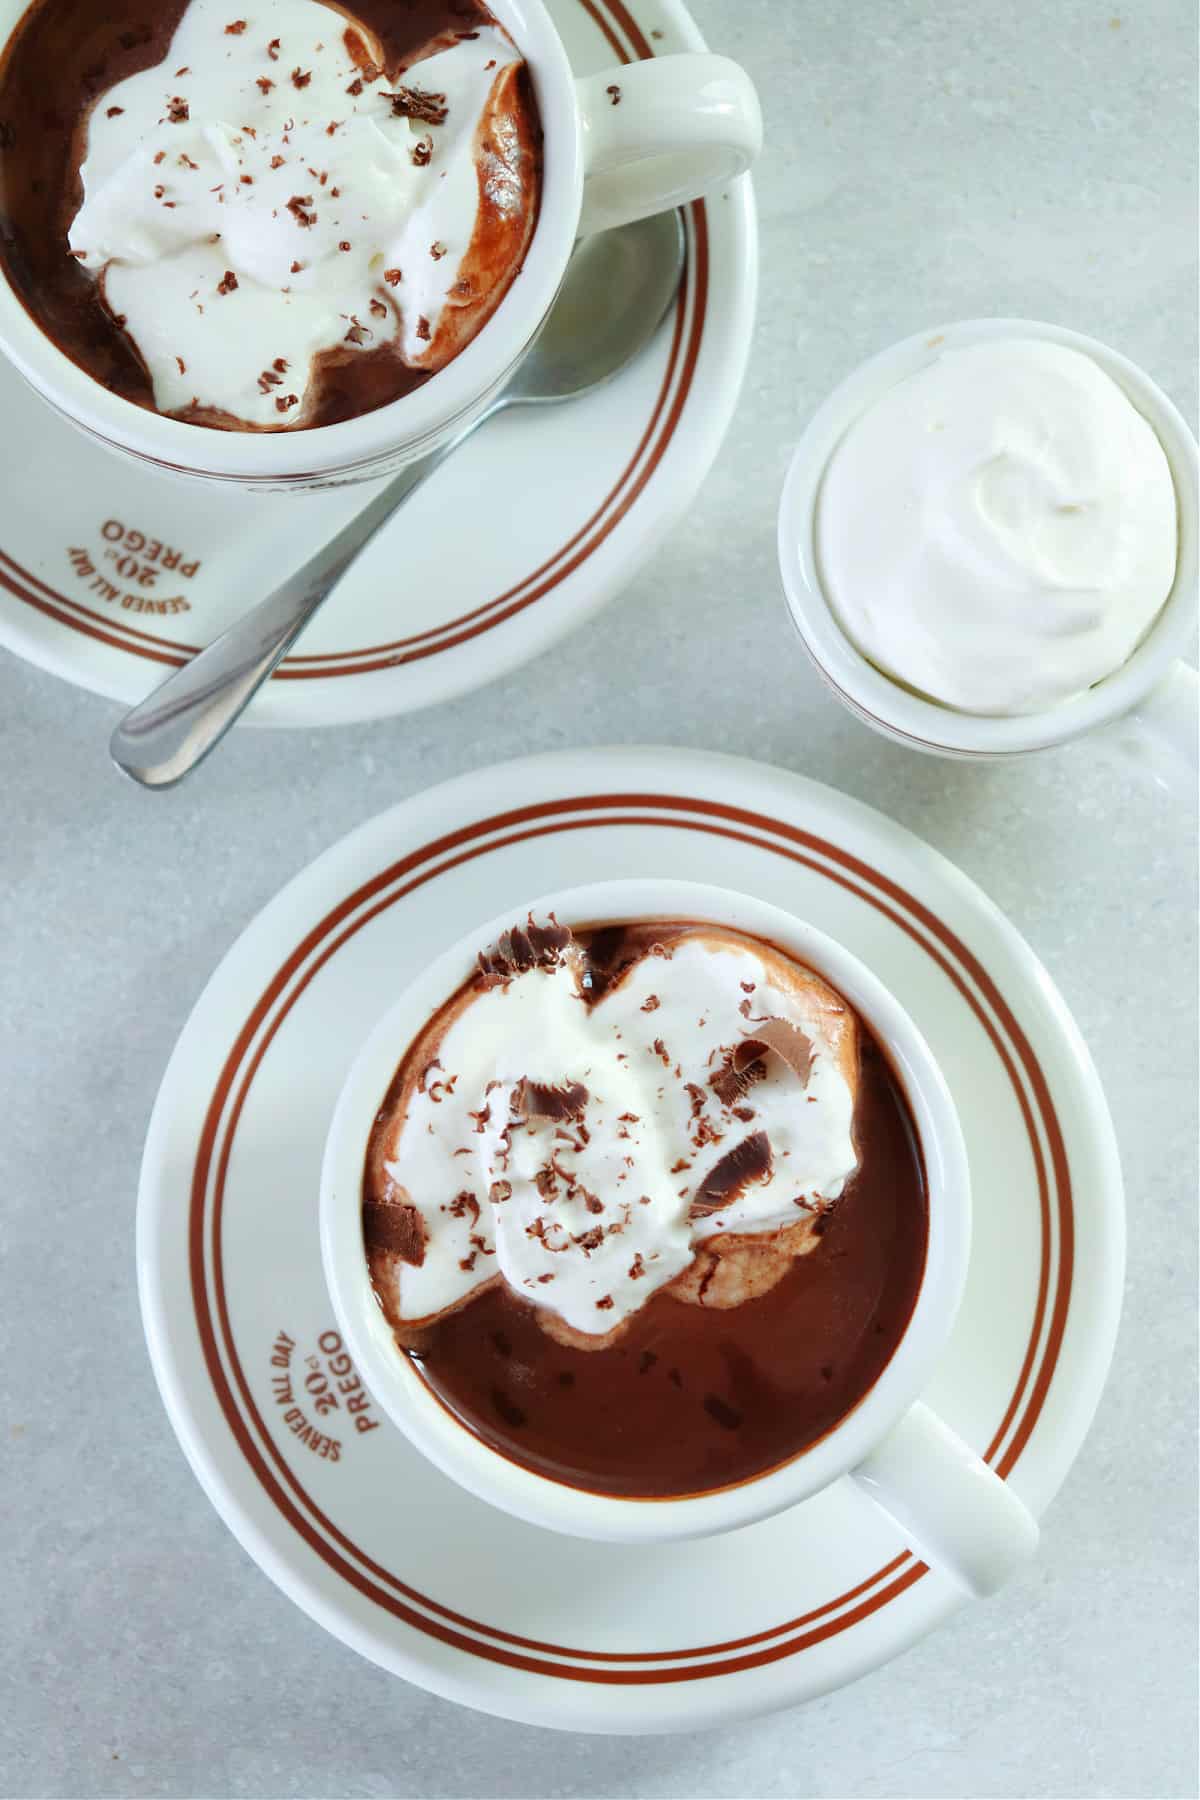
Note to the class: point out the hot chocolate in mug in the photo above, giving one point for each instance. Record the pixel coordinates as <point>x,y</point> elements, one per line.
<point>618,146</point>
<point>957,1512</point>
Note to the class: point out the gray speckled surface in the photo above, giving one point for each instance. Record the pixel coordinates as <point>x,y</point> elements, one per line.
<point>926,161</point>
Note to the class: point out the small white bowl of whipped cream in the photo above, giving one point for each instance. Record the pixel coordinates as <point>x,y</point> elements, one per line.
<point>988,541</point>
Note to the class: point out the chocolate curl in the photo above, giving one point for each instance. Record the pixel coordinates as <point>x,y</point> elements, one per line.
<point>542,1100</point>
<point>745,1064</point>
<point>524,947</point>
<point>749,1162</point>
<point>789,1043</point>
<point>395,1227</point>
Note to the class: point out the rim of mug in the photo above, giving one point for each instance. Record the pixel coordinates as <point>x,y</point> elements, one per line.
<point>405,426</point>
<point>907,716</point>
<point>451,1445</point>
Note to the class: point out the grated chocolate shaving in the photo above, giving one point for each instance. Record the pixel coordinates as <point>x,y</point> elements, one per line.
<point>538,1230</point>
<point>178,111</point>
<point>301,77</point>
<point>298,207</point>
<point>228,283</point>
<point>543,1100</point>
<point>464,1203</point>
<point>236,29</point>
<point>415,103</point>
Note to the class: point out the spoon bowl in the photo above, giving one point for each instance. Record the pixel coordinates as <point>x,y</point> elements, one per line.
<point>616,292</point>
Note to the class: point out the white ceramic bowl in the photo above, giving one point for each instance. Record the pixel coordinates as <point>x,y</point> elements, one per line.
<point>923,724</point>
<point>858,1443</point>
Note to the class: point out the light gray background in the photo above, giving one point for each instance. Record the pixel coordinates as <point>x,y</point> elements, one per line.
<point>926,161</point>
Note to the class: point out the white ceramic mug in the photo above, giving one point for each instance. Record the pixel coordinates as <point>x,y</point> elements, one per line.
<point>951,1506</point>
<point>684,125</point>
<point>1152,697</point>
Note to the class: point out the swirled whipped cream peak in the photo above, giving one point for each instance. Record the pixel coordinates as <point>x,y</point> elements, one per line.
<point>998,531</point>
<point>596,1116</point>
<point>281,206</point>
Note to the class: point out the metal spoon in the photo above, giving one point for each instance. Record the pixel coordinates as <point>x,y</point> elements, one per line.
<point>617,289</point>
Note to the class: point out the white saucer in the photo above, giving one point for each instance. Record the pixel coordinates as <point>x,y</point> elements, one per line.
<point>532,527</point>
<point>351,1522</point>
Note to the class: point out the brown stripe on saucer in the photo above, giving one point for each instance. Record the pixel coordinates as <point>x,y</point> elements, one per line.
<point>414,871</point>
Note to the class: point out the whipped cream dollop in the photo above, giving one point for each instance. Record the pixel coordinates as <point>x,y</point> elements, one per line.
<point>268,193</point>
<point>998,531</point>
<point>585,1152</point>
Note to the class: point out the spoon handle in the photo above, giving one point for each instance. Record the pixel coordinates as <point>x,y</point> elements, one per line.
<point>164,736</point>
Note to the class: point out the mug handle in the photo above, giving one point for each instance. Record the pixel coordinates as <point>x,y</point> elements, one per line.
<point>959,1515</point>
<point>659,133</point>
